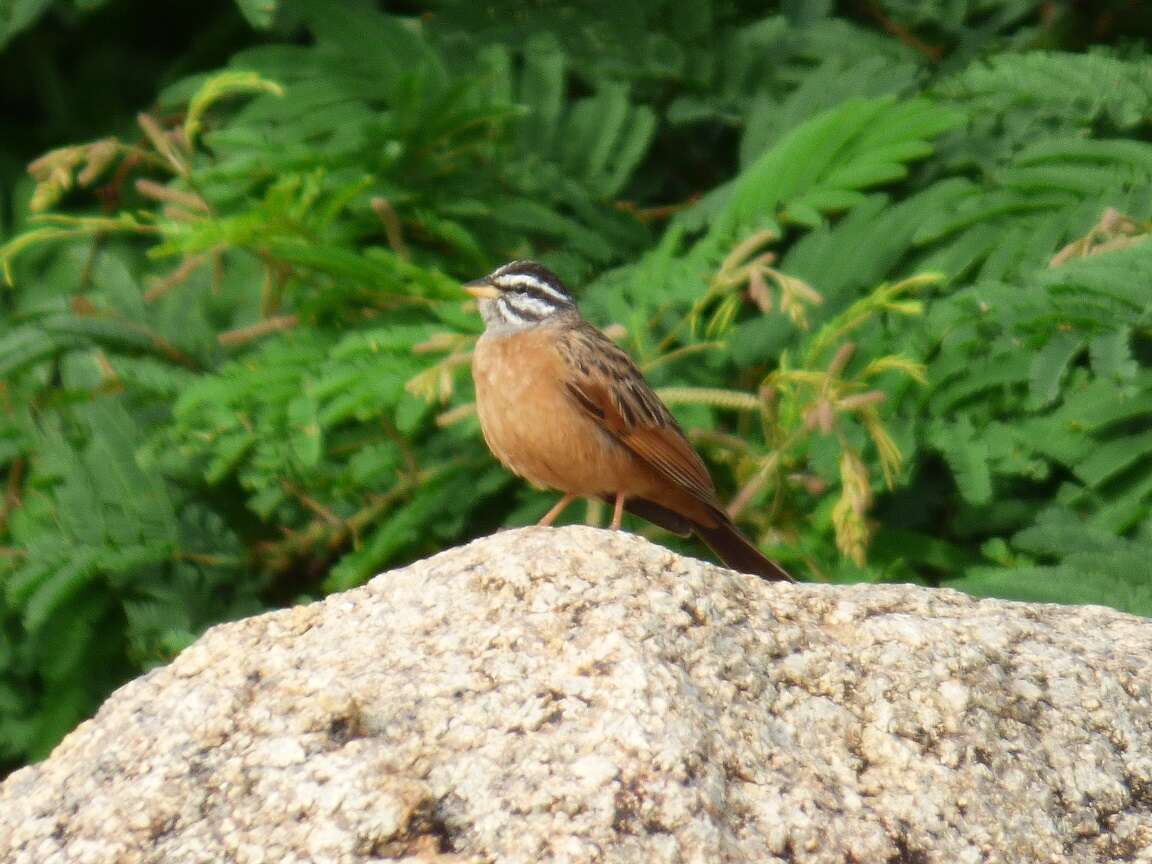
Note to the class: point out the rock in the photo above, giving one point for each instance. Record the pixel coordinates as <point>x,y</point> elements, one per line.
<point>570,695</point>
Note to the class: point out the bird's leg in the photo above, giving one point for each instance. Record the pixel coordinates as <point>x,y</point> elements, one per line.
<point>618,511</point>
<point>556,510</point>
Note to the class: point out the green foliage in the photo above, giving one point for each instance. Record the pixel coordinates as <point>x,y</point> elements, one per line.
<point>891,274</point>
<point>1062,558</point>
<point>1058,90</point>
<point>15,15</point>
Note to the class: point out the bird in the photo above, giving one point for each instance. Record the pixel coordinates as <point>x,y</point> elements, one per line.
<point>562,406</point>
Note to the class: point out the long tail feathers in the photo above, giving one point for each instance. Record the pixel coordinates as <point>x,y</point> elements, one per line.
<point>657,515</point>
<point>733,548</point>
<point>737,551</point>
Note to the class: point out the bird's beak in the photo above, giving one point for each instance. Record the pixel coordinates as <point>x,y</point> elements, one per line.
<point>482,289</point>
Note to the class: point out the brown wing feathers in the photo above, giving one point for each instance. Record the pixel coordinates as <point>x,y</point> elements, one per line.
<point>623,404</point>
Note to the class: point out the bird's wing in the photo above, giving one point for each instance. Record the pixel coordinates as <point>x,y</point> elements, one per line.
<point>605,383</point>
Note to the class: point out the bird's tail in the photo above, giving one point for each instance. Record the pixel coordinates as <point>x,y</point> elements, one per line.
<point>737,551</point>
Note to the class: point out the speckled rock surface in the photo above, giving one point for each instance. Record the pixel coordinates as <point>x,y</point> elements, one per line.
<point>570,695</point>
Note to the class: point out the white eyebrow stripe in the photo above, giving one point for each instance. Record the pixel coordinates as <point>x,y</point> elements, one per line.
<point>527,280</point>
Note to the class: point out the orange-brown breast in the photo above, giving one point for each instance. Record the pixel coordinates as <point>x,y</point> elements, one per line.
<point>532,425</point>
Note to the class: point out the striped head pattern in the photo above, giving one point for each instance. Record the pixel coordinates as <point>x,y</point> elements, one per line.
<point>520,295</point>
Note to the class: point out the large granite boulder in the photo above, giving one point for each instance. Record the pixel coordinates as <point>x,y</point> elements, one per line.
<point>570,695</point>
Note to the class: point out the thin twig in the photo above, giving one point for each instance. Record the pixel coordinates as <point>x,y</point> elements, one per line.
<point>279,554</point>
<point>258,330</point>
<point>682,351</point>
<point>207,559</point>
<point>655,214</point>
<point>187,267</point>
<point>162,142</point>
<point>386,213</point>
<point>902,33</point>
<point>311,503</point>
<point>160,192</point>
<point>455,415</point>
<point>12,491</point>
<point>402,445</point>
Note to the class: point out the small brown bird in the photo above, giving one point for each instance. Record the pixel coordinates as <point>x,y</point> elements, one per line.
<point>563,407</point>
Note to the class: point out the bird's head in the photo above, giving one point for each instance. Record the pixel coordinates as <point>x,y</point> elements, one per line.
<point>520,295</point>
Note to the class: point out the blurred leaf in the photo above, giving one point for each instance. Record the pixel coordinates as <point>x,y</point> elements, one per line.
<point>16,15</point>
<point>260,13</point>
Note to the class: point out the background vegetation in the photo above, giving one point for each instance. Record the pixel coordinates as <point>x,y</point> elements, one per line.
<point>888,262</point>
